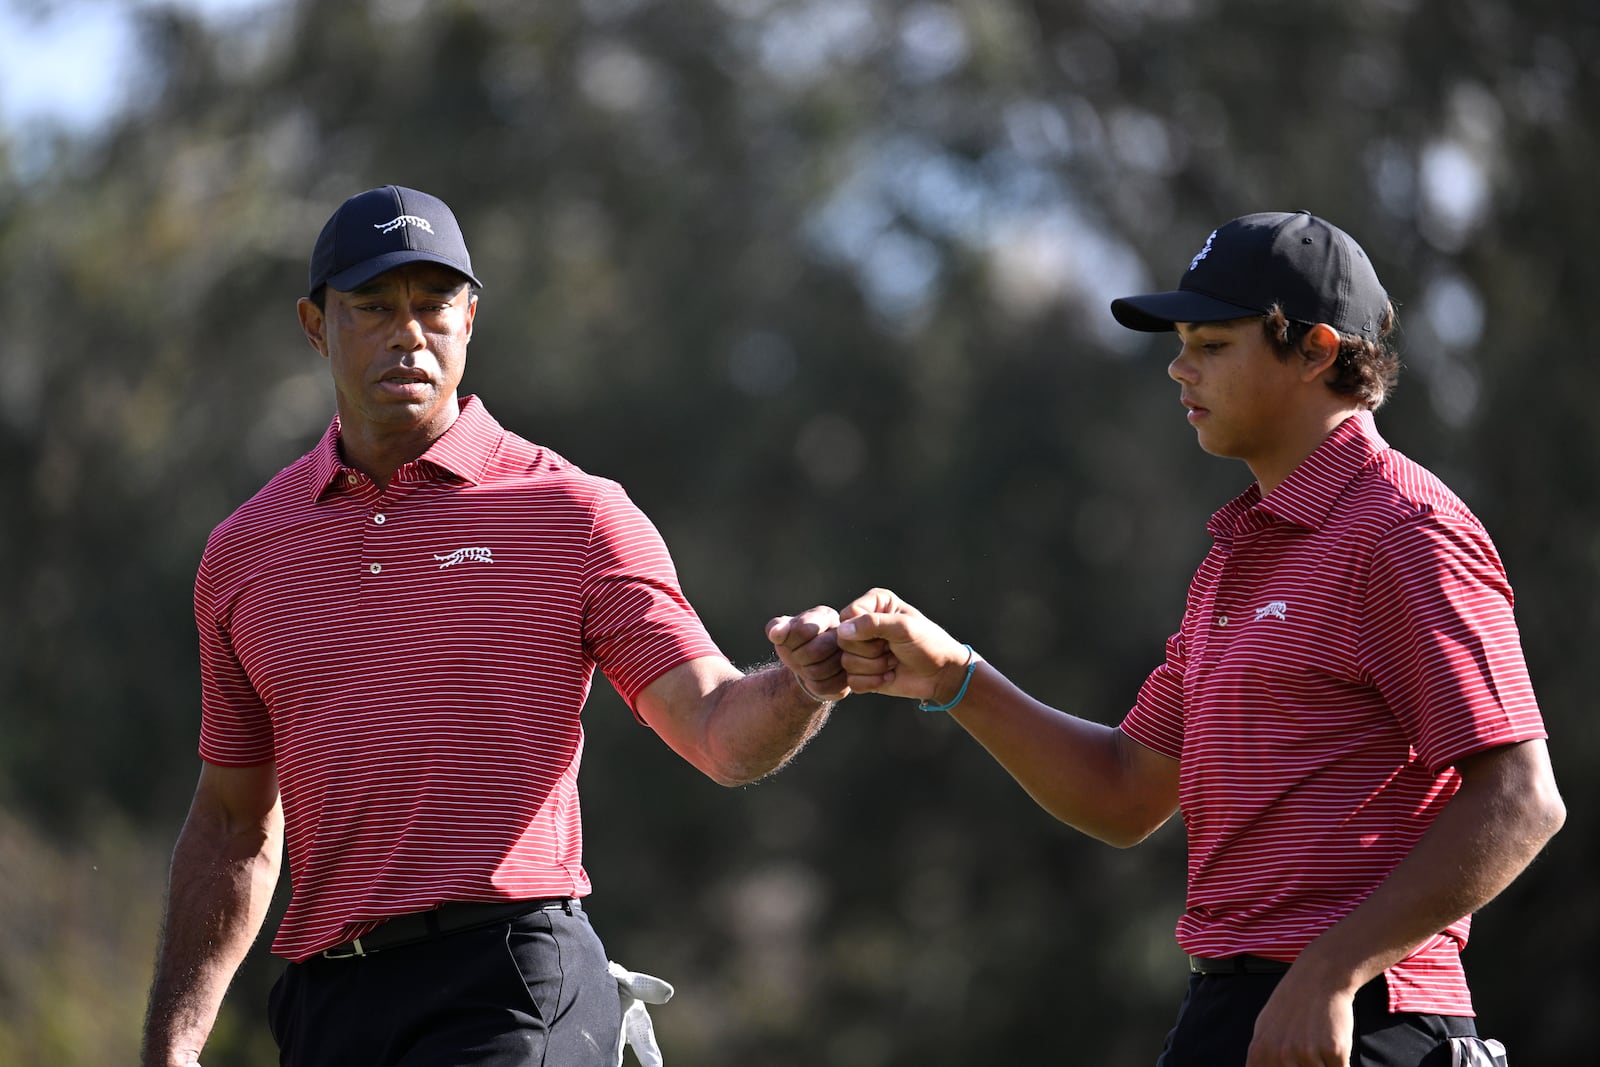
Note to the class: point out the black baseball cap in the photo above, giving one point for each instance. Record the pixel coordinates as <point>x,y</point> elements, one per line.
<point>1309,267</point>
<point>381,229</point>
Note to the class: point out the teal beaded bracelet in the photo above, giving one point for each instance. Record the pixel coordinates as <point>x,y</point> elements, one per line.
<point>972,665</point>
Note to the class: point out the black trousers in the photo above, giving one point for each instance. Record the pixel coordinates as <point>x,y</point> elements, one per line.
<point>1218,1018</point>
<point>527,992</point>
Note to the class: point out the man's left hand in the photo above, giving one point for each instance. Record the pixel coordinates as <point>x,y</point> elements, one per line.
<point>808,644</point>
<point>1303,1025</point>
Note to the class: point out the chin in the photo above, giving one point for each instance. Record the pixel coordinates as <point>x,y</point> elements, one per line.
<point>1220,449</point>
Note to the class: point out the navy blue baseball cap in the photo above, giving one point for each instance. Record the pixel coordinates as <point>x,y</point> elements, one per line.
<point>1307,266</point>
<point>385,228</point>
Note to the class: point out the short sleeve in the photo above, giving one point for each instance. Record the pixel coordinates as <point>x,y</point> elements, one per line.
<point>1439,640</point>
<point>235,727</point>
<point>1156,720</point>
<point>637,624</point>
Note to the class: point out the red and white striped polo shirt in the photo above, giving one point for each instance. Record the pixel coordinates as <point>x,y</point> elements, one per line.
<point>1345,641</point>
<point>414,662</point>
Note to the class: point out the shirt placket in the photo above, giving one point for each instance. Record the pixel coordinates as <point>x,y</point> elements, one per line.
<point>1237,583</point>
<point>376,556</point>
<point>1212,623</point>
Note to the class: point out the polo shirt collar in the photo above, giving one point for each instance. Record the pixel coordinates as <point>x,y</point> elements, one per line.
<point>462,452</point>
<point>1309,493</point>
<point>466,448</point>
<point>325,462</point>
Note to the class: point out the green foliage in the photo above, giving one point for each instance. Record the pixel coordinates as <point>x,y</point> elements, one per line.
<point>77,941</point>
<point>823,282</point>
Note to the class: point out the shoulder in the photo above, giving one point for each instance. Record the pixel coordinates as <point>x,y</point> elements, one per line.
<point>280,501</point>
<point>516,457</point>
<point>1413,522</point>
<point>1392,491</point>
<point>256,531</point>
<point>520,463</point>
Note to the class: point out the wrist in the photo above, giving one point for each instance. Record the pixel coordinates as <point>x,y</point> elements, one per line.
<point>805,691</point>
<point>165,1057</point>
<point>952,685</point>
<point>1321,966</point>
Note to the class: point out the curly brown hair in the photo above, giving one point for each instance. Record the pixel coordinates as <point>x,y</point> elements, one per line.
<point>1364,370</point>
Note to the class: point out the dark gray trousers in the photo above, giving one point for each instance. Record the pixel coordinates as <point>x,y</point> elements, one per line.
<point>528,992</point>
<point>1218,1018</point>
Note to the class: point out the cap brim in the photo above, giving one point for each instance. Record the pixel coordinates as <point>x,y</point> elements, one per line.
<point>1157,312</point>
<point>363,272</point>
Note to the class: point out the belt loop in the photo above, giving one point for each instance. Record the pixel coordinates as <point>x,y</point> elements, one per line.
<point>430,922</point>
<point>566,905</point>
<point>356,944</point>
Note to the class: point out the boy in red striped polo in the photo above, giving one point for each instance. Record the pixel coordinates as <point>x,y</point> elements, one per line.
<point>1344,717</point>
<point>397,636</point>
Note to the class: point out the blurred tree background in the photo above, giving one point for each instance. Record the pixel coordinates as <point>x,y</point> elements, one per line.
<point>824,283</point>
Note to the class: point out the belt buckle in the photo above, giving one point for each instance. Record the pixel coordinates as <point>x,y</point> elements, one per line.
<point>352,952</point>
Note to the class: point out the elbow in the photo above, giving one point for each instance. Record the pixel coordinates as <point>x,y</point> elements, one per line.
<point>1127,840</point>
<point>1517,790</point>
<point>1129,828</point>
<point>1558,816</point>
<point>1127,837</point>
<point>1120,840</point>
<point>1546,812</point>
<point>733,773</point>
<point>1530,809</point>
<point>1541,810</point>
<point>730,780</point>
<point>733,769</point>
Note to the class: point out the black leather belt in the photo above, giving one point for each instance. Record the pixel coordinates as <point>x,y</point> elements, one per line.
<point>1236,965</point>
<point>448,918</point>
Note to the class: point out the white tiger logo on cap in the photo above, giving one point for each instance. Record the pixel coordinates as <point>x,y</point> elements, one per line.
<point>400,222</point>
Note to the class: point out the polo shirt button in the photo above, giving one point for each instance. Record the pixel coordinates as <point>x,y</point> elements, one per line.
<point>375,568</point>
<point>1222,620</point>
<point>378,518</point>
<point>351,478</point>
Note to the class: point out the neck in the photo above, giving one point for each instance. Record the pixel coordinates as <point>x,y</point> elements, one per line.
<point>1273,471</point>
<point>380,451</point>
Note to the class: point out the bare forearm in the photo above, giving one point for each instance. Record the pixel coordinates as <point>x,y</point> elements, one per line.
<point>1488,833</point>
<point>758,723</point>
<point>220,888</point>
<point>1089,775</point>
<point>1505,811</point>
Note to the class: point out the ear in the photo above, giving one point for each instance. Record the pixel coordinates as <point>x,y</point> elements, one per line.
<point>312,320</point>
<point>472,311</point>
<point>1320,348</point>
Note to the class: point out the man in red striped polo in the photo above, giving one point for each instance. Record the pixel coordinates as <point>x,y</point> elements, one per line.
<point>397,635</point>
<point>1344,717</point>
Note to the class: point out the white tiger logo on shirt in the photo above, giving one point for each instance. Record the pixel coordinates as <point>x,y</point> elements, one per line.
<point>464,555</point>
<point>1276,609</point>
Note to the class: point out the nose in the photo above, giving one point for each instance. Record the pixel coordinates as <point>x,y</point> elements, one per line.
<point>407,335</point>
<point>1180,369</point>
